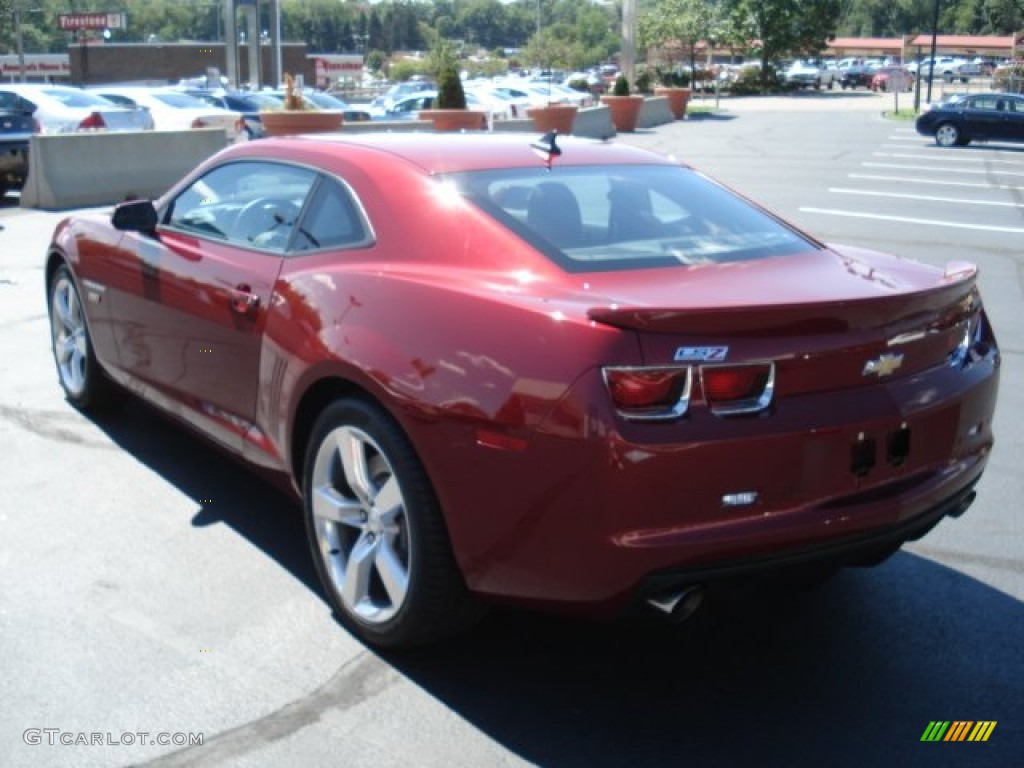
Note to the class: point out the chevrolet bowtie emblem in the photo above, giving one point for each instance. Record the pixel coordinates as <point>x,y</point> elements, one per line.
<point>885,365</point>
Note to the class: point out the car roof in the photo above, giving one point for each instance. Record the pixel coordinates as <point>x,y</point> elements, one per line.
<point>456,152</point>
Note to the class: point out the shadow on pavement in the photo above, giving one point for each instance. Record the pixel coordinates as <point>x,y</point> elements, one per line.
<point>850,675</point>
<point>266,516</point>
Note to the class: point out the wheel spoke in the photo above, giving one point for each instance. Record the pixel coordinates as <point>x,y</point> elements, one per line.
<point>65,347</point>
<point>329,504</point>
<point>356,587</point>
<point>354,464</point>
<point>393,572</point>
<point>389,502</point>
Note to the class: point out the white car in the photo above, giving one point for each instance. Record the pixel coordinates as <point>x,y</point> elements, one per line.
<point>63,109</point>
<point>541,94</point>
<point>409,107</point>
<point>173,110</point>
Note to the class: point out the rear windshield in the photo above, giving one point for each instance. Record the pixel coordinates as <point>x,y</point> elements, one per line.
<point>618,217</point>
<point>70,97</point>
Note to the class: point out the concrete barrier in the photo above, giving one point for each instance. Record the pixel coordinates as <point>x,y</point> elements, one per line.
<point>590,123</point>
<point>386,126</point>
<point>86,169</point>
<point>655,111</point>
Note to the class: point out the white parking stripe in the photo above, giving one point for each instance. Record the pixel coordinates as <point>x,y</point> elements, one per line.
<point>935,168</point>
<point>908,220</point>
<point>973,159</point>
<point>926,198</point>
<point>934,182</point>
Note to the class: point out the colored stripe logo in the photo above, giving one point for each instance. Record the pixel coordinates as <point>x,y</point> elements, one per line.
<point>958,730</point>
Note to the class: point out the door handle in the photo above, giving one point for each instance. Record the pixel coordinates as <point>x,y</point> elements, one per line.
<point>243,300</point>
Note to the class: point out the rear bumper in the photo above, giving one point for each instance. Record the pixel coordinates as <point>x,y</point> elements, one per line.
<point>855,550</point>
<point>606,511</point>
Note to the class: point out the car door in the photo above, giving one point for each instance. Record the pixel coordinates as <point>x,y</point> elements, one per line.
<point>1010,126</point>
<point>191,304</point>
<point>981,117</point>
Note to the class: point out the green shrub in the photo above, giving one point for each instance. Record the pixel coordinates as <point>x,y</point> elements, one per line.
<point>621,86</point>
<point>445,64</point>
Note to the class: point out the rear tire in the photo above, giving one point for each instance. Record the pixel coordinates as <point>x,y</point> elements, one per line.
<point>377,535</point>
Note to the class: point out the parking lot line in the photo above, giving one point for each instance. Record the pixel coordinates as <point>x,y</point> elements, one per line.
<point>936,182</point>
<point>927,198</point>
<point>909,220</point>
<point>974,159</point>
<point>944,169</point>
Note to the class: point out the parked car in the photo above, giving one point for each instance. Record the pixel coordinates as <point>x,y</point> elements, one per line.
<point>324,100</point>
<point>947,67</point>
<point>981,117</point>
<point>63,109</point>
<point>812,74</point>
<point>577,377</point>
<point>174,110</point>
<point>16,128</point>
<point>892,79</point>
<point>409,107</point>
<point>249,104</point>
<point>857,76</point>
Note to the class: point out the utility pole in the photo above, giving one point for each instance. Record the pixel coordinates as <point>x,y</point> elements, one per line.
<point>628,63</point>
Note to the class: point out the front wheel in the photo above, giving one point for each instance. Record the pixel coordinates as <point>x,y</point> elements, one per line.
<point>947,135</point>
<point>84,384</point>
<point>377,535</point>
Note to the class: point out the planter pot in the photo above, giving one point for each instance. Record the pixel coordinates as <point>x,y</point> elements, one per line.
<point>624,111</point>
<point>678,98</point>
<point>287,122</point>
<point>455,119</point>
<point>553,117</point>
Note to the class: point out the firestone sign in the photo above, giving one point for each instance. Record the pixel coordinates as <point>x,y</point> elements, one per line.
<point>75,21</point>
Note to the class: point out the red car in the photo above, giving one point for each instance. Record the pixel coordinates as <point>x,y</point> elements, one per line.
<point>892,79</point>
<point>575,377</point>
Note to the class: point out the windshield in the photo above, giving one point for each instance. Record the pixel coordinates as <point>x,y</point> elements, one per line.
<point>601,218</point>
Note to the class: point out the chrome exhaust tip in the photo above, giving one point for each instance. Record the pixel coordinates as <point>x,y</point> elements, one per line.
<point>677,605</point>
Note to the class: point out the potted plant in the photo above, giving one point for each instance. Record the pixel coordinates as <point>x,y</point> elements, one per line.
<point>624,106</point>
<point>299,116</point>
<point>674,87</point>
<point>449,112</point>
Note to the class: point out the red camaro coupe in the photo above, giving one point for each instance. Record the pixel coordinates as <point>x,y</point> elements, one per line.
<point>577,377</point>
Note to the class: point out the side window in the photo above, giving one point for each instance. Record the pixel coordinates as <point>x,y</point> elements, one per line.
<point>251,204</point>
<point>332,220</point>
<point>983,102</point>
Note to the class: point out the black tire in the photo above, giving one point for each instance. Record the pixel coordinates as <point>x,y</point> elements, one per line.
<point>376,531</point>
<point>83,381</point>
<point>948,135</point>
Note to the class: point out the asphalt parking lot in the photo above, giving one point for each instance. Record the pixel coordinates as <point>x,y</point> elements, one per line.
<point>153,586</point>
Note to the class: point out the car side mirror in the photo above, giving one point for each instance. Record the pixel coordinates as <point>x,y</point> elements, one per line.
<point>135,216</point>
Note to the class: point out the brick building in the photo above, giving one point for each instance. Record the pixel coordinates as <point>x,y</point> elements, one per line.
<point>92,64</point>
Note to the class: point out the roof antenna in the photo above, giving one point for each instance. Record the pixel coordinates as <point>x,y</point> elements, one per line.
<point>546,148</point>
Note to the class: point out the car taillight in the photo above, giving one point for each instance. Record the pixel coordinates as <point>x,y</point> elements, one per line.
<point>737,389</point>
<point>94,122</point>
<point>198,123</point>
<point>648,393</point>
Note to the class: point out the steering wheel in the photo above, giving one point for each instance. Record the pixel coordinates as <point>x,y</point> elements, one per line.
<point>265,218</point>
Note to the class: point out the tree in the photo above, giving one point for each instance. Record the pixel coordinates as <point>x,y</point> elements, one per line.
<point>777,28</point>
<point>682,21</point>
